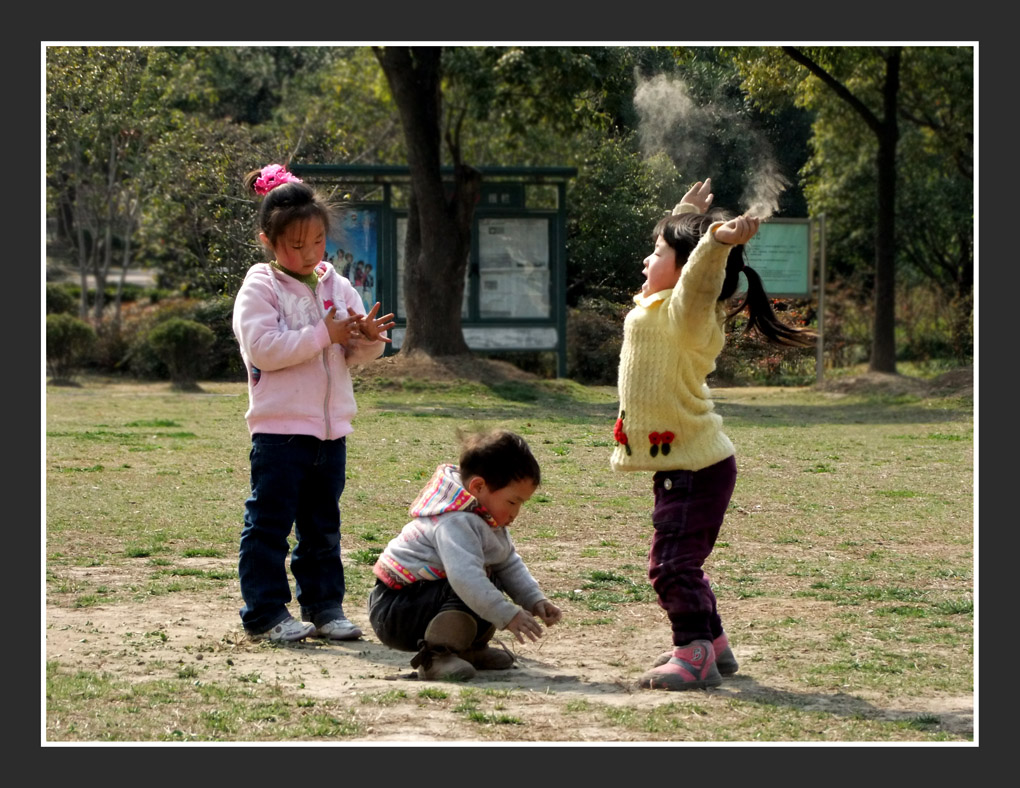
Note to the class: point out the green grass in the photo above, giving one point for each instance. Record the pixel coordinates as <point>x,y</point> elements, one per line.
<point>201,713</point>
<point>850,531</point>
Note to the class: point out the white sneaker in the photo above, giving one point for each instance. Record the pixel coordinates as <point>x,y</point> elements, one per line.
<point>287,631</point>
<point>338,629</point>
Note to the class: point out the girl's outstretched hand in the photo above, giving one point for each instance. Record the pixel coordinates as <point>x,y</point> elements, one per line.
<point>699,195</point>
<point>737,231</point>
<point>340,329</point>
<point>372,327</point>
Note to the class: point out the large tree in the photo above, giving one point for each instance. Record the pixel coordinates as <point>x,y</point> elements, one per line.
<point>527,97</point>
<point>882,119</point>
<point>883,116</point>
<point>100,129</point>
<point>439,219</point>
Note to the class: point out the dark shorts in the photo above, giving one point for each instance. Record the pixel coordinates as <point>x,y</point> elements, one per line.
<point>399,616</point>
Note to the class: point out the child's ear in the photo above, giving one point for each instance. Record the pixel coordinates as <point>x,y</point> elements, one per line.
<point>475,485</point>
<point>265,241</point>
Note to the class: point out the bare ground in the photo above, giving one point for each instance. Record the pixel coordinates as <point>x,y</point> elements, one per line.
<point>600,668</point>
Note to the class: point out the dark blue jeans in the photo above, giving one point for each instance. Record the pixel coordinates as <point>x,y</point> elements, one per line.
<point>296,481</point>
<point>689,510</point>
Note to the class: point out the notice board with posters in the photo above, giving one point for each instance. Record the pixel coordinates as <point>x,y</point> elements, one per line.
<point>515,279</point>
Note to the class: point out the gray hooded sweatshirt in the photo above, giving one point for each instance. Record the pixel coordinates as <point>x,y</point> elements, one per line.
<point>449,538</point>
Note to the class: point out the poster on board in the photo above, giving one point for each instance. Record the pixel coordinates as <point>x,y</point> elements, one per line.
<point>354,252</point>
<point>781,254</point>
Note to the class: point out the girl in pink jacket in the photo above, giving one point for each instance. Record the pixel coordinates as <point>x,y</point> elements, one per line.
<point>300,326</point>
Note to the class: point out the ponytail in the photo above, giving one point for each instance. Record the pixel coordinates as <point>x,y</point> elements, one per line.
<point>761,317</point>
<point>683,231</point>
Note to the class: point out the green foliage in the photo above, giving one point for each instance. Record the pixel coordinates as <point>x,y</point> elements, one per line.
<point>614,203</point>
<point>57,292</point>
<point>101,137</point>
<point>115,164</point>
<point>60,299</point>
<point>696,114</point>
<point>934,153</point>
<point>749,359</point>
<point>223,360</point>
<point>932,325</point>
<point>136,354</point>
<point>594,339</point>
<point>182,345</point>
<point>69,343</point>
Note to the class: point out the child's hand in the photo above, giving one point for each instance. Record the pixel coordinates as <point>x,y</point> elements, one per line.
<point>524,624</point>
<point>340,329</point>
<point>699,195</point>
<point>547,611</point>
<point>370,326</point>
<point>737,231</point>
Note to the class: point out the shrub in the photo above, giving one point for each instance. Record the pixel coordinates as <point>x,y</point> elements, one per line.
<point>69,345</point>
<point>141,359</point>
<point>594,338</point>
<point>541,363</point>
<point>60,300</point>
<point>750,359</point>
<point>111,347</point>
<point>931,325</point>
<point>962,327</point>
<point>182,345</point>
<point>224,359</point>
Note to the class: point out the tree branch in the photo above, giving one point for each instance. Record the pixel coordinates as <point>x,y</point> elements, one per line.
<point>837,87</point>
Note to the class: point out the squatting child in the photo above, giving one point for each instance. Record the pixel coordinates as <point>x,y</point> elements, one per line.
<point>443,583</point>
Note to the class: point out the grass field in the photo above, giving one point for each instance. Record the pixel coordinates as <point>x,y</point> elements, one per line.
<point>844,572</point>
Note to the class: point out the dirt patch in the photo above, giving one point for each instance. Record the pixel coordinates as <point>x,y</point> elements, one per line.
<point>418,366</point>
<point>566,686</point>
<point>955,383</point>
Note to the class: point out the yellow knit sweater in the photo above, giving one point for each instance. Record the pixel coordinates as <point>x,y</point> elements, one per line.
<point>671,340</point>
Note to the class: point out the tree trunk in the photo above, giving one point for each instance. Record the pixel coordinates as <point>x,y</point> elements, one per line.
<point>886,130</point>
<point>883,340</point>
<point>439,223</point>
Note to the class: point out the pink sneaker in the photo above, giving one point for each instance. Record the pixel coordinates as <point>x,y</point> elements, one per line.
<point>690,667</point>
<point>725,661</point>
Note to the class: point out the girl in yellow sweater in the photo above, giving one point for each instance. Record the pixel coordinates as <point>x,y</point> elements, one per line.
<point>667,423</point>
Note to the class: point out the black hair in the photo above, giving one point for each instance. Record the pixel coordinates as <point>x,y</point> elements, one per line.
<point>289,202</point>
<point>500,457</point>
<point>683,231</point>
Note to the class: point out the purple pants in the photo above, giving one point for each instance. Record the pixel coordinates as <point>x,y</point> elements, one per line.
<point>689,510</point>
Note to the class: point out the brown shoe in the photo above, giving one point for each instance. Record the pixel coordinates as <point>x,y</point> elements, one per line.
<point>447,635</point>
<point>485,657</point>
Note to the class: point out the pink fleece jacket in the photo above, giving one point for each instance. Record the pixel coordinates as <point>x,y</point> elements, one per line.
<point>299,383</point>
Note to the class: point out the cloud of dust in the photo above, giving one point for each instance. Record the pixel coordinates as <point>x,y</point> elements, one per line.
<point>671,122</point>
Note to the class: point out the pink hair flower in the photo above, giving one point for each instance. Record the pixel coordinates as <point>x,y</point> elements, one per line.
<point>271,176</point>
